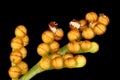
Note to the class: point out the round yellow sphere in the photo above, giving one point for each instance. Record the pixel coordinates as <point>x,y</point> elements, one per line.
<point>88,33</point>
<point>59,34</point>
<point>45,63</point>
<point>14,72</point>
<point>94,47</point>
<point>43,49</point>
<point>73,35</point>
<point>85,45</point>
<point>16,43</point>
<point>91,16</point>
<point>80,60</point>
<point>23,66</point>
<point>16,56</point>
<point>103,19</point>
<point>20,31</point>
<point>57,63</point>
<point>99,29</point>
<point>54,46</point>
<point>47,36</point>
<point>73,47</point>
<point>70,62</point>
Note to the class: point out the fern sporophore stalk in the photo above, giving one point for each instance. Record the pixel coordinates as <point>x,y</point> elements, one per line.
<point>52,55</point>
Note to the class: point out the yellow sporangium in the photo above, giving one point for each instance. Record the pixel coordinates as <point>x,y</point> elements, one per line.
<point>43,49</point>
<point>16,56</point>
<point>73,47</point>
<point>88,33</point>
<point>16,43</point>
<point>57,63</point>
<point>20,31</point>
<point>73,35</point>
<point>54,46</point>
<point>85,45</point>
<point>80,60</point>
<point>23,66</point>
<point>91,16</point>
<point>47,36</point>
<point>14,72</point>
<point>104,19</point>
<point>45,63</point>
<point>69,62</point>
<point>99,29</point>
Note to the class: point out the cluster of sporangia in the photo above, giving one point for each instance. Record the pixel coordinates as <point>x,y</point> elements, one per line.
<point>81,31</point>
<point>19,52</point>
<point>85,28</point>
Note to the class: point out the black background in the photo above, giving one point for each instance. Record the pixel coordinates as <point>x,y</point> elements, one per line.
<point>36,18</point>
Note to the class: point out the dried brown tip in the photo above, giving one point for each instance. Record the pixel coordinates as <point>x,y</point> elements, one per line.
<point>74,24</point>
<point>53,26</point>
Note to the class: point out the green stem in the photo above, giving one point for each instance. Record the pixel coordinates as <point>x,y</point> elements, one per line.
<point>63,50</point>
<point>32,72</point>
<point>14,79</point>
<point>36,69</point>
